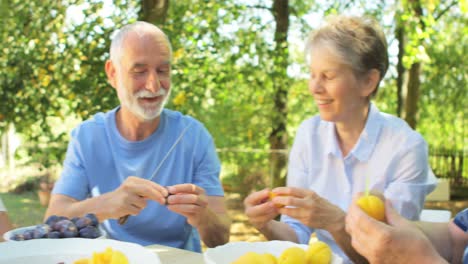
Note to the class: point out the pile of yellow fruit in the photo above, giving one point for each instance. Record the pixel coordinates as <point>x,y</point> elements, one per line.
<point>108,256</point>
<point>317,253</point>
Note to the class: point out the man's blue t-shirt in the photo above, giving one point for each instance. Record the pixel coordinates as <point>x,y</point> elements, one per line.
<point>99,159</point>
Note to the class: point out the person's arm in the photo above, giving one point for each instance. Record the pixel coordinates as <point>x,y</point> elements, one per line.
<point>5,224</point>
<point>215,224</point>
<point>449,239</point>
<point>129,199</point>
<point>206,213</point>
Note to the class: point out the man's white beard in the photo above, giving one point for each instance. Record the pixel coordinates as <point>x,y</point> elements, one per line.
<point>148,111</point>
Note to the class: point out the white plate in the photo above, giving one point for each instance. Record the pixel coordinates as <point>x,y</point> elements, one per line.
<point>229,252</point>
<point>21,230</point>
<point>47,251</point>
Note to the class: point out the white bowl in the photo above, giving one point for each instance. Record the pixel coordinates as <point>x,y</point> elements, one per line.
<point>47,251</point>
<point>229,252</point>
<point>9,234</point>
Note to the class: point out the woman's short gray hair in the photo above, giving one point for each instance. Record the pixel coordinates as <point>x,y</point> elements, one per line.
<point>359,41</point>
<point>139,27</point>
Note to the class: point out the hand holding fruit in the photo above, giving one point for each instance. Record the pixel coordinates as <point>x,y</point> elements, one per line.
<point>309,208</point>
<point>260,209</point>
<point>399,241</point>
<point>373,206</point>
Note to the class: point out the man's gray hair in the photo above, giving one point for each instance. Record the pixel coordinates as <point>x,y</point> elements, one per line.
<point>140,28</point>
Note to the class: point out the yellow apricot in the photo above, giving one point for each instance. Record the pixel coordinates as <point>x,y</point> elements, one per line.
<point>248,258</point>
<point>272,195</point>
<point>268,258</point>
<point>81,261</point>
<point>292,255</point>
<point>118,258</point>
<point>318,253</point>
<point>108,256</point>
<point>373,206</point>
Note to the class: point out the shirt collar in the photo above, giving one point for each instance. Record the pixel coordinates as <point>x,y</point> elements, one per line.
<point>366,142</point>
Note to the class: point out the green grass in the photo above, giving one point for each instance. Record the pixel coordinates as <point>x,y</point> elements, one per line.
<point>23,209</point>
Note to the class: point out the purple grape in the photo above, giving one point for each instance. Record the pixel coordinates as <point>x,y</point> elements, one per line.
<point>28,234</point>
<point>74,219</point>
<point>90,232</point>
<point>53,234</point>
<point>94,220</point>
<point>66,228</point>
<point>83,222</point>
<point>41,231</point>
<point>51,220</point>
<point>17,237</point>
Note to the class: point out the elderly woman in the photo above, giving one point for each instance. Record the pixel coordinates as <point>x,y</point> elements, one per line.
<point>5,224</point>
<point>348,146</point>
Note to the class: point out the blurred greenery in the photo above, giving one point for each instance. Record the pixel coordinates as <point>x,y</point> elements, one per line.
<point>53,54</point>
<point>24,209</point>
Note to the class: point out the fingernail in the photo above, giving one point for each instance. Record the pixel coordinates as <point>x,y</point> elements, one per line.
<point>166,191</point>
<point>170,190</point>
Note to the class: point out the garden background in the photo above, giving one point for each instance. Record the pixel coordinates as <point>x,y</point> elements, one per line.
<point>238,67</point>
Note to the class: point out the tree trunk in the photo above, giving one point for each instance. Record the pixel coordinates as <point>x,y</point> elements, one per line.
<point>154,11</point>
<point>401,71</point>
<point>278,136</point>
<point>414,82</point>
<point>412,96</point>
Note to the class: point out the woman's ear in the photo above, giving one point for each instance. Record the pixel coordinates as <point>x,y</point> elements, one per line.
<point>370,82</point>
<point>111,73</point>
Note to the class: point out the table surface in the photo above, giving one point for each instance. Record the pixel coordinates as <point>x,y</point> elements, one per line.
<point>170,255</point>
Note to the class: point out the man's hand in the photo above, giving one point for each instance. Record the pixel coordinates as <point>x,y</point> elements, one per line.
<point>132,195</point>
<point>188,200</point>
<point>401,241</point>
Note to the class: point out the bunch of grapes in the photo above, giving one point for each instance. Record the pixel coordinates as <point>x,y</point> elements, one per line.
<point>62,227</point>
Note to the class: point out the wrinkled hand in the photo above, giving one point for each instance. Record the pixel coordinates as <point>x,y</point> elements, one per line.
<point>259,209</point>
<point>400,241</point>
<point>309,208</point>
<point>132,195</point>
<point>188,200</point>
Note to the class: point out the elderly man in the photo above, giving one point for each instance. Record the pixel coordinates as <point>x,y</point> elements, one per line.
<point>143,160</point>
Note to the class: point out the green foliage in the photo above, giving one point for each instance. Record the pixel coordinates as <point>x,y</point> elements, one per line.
<point>223,69</point>
<point>53,69</point>
<point>443,99</point>
<point>23,209</point>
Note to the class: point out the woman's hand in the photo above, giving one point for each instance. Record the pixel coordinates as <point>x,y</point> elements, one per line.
<point>259,209</point>
<point>309,208</point>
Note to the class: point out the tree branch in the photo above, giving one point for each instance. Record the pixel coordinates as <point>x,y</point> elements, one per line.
<point>259,7</point>
<point>447,8</point>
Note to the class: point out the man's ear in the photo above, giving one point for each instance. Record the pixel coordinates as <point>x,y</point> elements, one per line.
<point>370,82</point>
<point>111,72</point>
